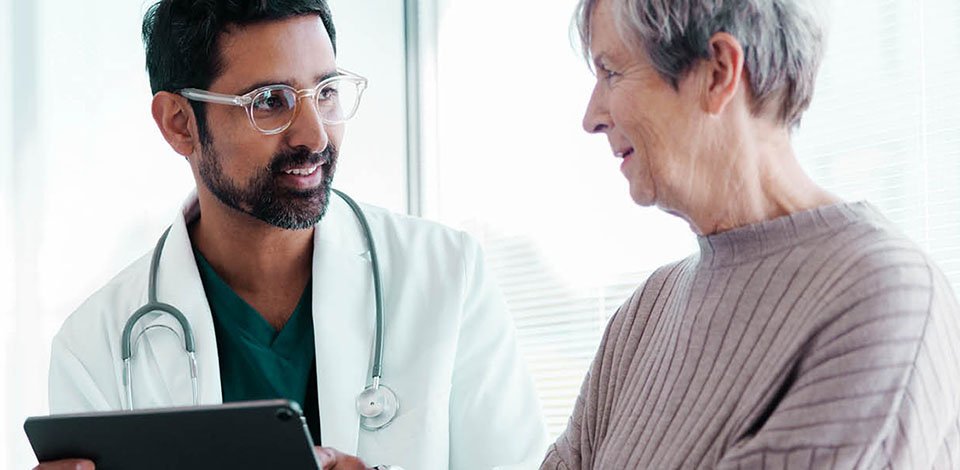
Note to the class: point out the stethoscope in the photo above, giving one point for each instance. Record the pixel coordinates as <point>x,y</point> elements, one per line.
<point>377,404</point>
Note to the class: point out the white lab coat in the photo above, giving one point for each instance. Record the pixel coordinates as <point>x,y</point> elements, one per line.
<point>466,401</point>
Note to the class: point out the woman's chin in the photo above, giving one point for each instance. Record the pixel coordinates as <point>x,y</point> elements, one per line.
<point>643,197</point>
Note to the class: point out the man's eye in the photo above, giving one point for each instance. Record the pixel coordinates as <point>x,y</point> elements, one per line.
<point>270,101</point>
<point>328,93</point>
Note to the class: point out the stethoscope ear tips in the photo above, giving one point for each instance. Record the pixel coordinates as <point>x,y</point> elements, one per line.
<point>377,405</point>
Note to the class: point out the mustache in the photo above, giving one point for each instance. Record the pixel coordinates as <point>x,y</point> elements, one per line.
<point>301,156</point>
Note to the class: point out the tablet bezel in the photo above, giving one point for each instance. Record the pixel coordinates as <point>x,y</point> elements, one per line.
<point>256,434</point>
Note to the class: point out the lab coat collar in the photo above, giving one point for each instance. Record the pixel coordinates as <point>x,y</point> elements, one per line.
<point>343,317</point>
<point>344,322</point>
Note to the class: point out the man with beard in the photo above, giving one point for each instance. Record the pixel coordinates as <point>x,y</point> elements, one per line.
<point>273,272</point>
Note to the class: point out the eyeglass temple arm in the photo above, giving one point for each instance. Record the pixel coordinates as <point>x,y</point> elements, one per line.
<point>212,97</point>
<point>361,80</point>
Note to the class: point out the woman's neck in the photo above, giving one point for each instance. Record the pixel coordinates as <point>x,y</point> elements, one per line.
<point>764,181</point>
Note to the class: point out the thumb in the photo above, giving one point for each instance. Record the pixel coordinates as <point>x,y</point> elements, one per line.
<point>72,464</point>
<point>327,458</point>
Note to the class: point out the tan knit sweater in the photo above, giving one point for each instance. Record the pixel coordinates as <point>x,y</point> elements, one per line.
<point>820,340</point>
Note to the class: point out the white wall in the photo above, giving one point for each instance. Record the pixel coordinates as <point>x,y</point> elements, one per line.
<point>373,158</point>
<point>23,354</point>
<point>88,185</point>
<point>6,218</point>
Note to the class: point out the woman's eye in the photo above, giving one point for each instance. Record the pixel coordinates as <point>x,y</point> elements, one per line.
<point>607,74</point>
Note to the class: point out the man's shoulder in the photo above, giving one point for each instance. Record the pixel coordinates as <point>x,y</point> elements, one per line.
<point>85,352</point>
<point>413,232</point>
<point>112,303</point>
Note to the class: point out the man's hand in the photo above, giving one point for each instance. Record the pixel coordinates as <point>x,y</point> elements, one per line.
<point>72,464</point>
<point>332,459</point>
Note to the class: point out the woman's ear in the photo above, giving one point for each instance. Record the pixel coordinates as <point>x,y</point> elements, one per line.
<point>725,69</point>
<point>175,117</point>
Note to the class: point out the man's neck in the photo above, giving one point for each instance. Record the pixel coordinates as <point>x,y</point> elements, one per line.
<point>268,267</point>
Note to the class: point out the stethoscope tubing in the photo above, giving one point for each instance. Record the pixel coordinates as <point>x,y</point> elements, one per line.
<point>153,305</point>
<point>377,289</point>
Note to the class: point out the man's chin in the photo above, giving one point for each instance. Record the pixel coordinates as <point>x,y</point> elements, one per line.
<point>292,223</point>
<point>299,214</point>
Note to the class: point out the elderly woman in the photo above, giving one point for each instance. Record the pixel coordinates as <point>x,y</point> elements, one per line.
<point>807,332</point>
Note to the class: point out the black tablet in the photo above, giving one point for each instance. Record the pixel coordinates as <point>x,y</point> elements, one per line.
<point>258,434</point>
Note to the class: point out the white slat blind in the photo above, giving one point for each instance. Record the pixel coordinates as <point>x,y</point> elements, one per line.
<point>885,122</point>
<point>514,168</point>
<point>559,328</point>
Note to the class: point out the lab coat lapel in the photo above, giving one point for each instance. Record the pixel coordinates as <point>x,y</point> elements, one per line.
<point>344,326</point>
<point>178,284</point>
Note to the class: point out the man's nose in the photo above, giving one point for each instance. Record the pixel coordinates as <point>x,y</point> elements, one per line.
<point>308,129</point>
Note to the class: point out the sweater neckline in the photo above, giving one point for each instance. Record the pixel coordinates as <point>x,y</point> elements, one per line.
<point>750,242</point>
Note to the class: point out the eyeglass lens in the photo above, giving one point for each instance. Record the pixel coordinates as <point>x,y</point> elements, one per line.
<point>275,108</point>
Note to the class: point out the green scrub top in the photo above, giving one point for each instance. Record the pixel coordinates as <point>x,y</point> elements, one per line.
<point>258,362</point>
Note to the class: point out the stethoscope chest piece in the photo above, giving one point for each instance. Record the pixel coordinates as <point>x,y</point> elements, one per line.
<point>377,405</point>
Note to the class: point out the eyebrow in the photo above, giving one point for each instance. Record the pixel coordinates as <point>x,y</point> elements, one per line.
<point>316,80</point>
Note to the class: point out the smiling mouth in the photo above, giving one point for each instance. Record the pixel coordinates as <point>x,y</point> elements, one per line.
<point>302,171</point>
<point>623,153</point>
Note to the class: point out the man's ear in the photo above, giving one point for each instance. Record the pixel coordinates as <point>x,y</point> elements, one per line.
<point>175,118</point>
<point>725,72</point>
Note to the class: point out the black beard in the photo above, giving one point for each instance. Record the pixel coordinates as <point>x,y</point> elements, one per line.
<point>266,200</point>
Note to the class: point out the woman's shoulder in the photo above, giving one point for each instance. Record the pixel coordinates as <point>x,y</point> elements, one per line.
<point>876,250</point>
<point>654,290</point>
<point>878,275</point>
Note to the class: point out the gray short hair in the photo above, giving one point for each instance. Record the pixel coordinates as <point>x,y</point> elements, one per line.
<point>782,42</point>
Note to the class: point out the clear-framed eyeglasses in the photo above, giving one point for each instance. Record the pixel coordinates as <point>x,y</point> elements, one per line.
<point>273,108</point>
